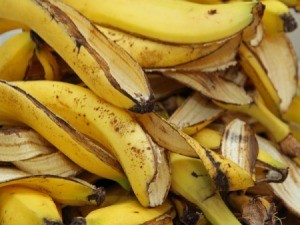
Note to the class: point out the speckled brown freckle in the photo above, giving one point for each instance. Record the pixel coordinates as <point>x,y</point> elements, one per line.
<point>212,11</point>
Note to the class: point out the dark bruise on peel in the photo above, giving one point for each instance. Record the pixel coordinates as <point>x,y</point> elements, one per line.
<point>98,196</point>
<point>194,174</point>
<point>220,179</point>
<point>212,12</point>
<point>80,138</point>
<point>64,20</point>
<point>147,106</point>
<point>290,24</point>
<point>39,42</point>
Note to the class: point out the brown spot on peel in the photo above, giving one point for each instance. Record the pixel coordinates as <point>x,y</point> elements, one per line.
<point>98,196</point>
<point>290,24</point>
<point>212,11</point>
<point>67,23</point>
<point>220,178</point>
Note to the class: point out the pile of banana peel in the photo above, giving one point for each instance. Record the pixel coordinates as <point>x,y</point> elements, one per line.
<point>149,112</point>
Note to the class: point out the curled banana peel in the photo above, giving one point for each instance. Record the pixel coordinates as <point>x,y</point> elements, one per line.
<point>154,54</point>
<point>191,181</point>
<point>212,85</point>
<point>105,123</point>
<point>218,60</point>
<point>21,143</point>
<point>47,59</point>
<point>272,75</point>
<point>225,173</point>
<point>16,210</point>
<point>280,130</point>
<point>285,190</point>
<point>218,21</point>
<point>194,113</point>
<point>100,63</point>
<point>89,155</point>
<point>258,75</point>
<point>239,144</point>
<point>17,53</point>
<point>31,153</point>
<point>63,190</point>
<point>267,168</point>
<point>54,163</point>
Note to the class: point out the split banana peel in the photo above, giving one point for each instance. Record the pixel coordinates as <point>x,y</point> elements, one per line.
<point>107,69</point>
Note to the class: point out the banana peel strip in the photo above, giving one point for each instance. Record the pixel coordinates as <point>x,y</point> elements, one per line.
<point>213,86</point>
<point>97,61</point>
<point>220,59</point>
<point>54,163</point>
<point>155,54</point>
<point>225,173</point>
<point>282,67</point>
<point>76,141</point>
<point>288,190</point>
<point>182,23</point>
<point>239,144</point>
<point>195,113</point>
<point>21,143</point>
<point>63,190</point>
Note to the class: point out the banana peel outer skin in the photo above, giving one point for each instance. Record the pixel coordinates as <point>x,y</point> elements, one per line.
<point>20,205</point>
<point>138,155</point>
<point>17,105</point>
<point>184,22</point>
<point>105,68</point>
